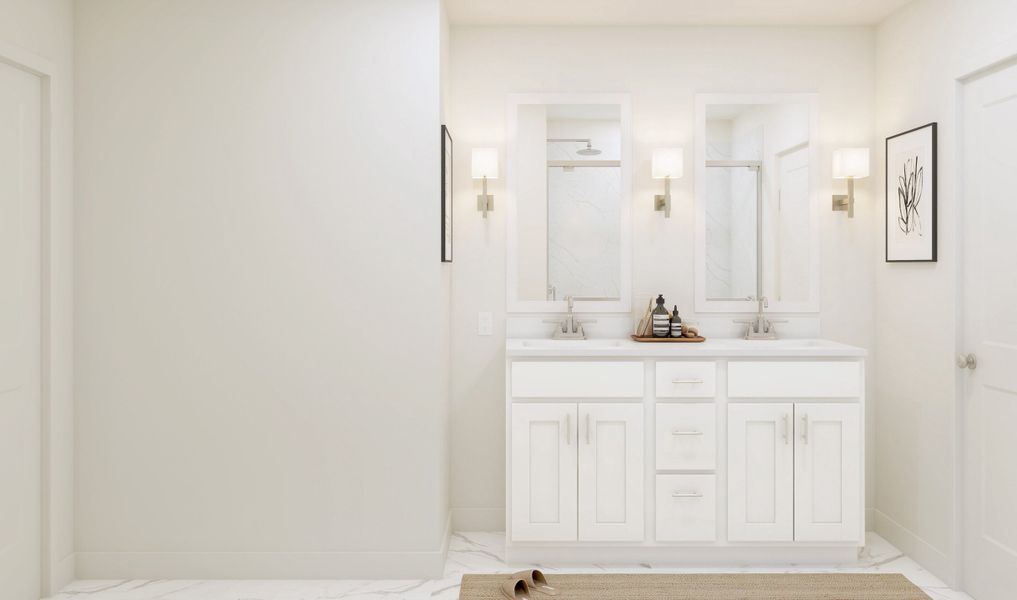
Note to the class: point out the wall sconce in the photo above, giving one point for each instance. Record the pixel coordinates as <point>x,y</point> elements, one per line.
<point>484,162</point>
<point>667,163</point>
<point>850,164</point>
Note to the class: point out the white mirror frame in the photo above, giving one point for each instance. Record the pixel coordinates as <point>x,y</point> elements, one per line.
<point>518,305</point>
<point>705,305</point>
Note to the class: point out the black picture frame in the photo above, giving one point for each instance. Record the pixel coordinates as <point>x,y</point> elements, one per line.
<point>446,195</point>
<point>892,187</point>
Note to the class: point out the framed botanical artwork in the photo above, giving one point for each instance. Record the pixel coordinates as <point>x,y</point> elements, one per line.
<point>911,195</point>
<point>446,195</point>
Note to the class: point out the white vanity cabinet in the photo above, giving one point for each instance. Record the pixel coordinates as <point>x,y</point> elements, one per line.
<point>577,472</point>
<point>702,453</point>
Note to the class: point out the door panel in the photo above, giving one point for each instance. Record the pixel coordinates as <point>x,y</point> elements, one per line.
<point>760,476</point>
<point>20,331</point>
<point>611,472</point>
<point>544,471</point>
<point>827,473</point>
<point>989,261</point>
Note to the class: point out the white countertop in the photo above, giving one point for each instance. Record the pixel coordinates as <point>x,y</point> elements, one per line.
<point>715,347</point>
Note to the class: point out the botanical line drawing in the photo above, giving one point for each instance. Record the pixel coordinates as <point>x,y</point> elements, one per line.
<point>909,195</point>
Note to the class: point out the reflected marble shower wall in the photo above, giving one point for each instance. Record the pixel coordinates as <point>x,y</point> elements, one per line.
<point>584,245</point>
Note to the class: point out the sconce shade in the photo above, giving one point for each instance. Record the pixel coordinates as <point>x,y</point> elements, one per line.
<point>668,162</point>
<point>484,163</point>
<point>850,162</point>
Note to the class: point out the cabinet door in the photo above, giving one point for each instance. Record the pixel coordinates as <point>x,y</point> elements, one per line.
<point>611,472</point>
<point>827,473</point>
<point>544,471</point>
<point>760,473</point>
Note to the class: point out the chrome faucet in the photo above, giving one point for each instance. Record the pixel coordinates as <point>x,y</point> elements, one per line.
<point>760,328</point>
<point>570,328</point>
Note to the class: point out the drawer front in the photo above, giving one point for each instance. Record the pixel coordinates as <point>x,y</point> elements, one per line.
<point>686,379</point>
<point>797,379</point>
<point>686,436</point>
<point>686,508</point>
<point>586,379</point>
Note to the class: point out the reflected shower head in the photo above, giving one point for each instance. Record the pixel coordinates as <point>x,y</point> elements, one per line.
<point>589,150</point>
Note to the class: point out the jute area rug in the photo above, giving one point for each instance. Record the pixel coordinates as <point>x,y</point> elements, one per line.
<point>734,586</point>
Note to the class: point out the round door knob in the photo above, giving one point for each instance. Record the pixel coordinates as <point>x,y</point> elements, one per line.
<point>967,361</point>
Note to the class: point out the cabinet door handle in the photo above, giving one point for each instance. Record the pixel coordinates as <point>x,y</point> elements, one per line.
<point>686,495</point>
<point>785,434</point>
<point>587,428</point>
<point>568,429</point>
<point>805,428</point>
<point>686,432</point>
<point>689,381</point>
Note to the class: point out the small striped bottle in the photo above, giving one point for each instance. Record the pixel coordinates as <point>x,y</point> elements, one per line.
<point>661,319</point>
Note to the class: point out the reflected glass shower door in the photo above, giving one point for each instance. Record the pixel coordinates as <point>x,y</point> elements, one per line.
<point>583,238</point>
<point>732,255</point>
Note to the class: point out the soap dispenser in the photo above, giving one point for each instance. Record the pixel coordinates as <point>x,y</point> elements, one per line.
<point>661,319</point>
<point>676,323</point>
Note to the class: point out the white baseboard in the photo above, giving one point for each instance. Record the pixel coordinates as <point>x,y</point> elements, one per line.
<point>427,564</point>
<point>931,558</point>
<point>478,519</point>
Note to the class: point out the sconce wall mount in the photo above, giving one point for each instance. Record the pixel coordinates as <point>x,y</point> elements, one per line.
<point>667,163</point>
<point>484,165</point>
<point>850,164</point>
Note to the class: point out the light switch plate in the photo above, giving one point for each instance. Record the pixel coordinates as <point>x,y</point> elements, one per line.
<point>485,323</point>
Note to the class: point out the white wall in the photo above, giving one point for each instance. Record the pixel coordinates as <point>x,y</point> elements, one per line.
<point>45,29</point>
<point>662,68</point>
<point>262,319</point>
<point>916,303</point>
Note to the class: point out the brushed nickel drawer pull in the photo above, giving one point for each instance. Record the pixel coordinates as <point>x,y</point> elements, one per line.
<point>688,381</point>
<point>686,495</point>
<point>686,432</point>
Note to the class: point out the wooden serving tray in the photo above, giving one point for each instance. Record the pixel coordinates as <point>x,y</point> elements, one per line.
<point>681,340</point>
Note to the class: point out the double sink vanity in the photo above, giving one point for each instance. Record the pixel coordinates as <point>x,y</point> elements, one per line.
<point>727,451</point>
<point>724,450</point>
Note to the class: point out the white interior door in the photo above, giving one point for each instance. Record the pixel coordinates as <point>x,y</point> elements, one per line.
<point>791,274</point>
<point>20,333</point>
<point>827,473</point>
<point>544,471</point>
<point>611,472</point>
<point>989,262</point>
<point>760,495</point>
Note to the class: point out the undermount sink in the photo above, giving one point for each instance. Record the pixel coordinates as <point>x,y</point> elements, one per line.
<point>789,343</point>
<point>571,343</point>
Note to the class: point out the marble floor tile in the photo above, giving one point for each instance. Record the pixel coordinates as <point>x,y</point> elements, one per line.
<point>476,552</point>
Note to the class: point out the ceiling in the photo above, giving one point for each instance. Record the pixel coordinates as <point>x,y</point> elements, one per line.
<point>670,12</point>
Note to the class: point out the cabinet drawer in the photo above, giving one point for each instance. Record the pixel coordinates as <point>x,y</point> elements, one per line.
<point>811,379</point>
<point>587,379</point>
<point>681,379</point>
<point>686,508</point>
<point>686,436</point>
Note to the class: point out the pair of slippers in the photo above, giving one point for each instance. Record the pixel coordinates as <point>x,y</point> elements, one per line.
<point>521,585</point>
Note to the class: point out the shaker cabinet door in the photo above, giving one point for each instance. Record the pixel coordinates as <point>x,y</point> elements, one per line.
<point>760,475</point>
<point>827,473</point>
<point>611,478</point>
<point>544,471</point>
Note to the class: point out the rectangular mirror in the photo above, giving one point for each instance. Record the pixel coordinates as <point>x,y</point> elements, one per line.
<point>568,192</point>
<point>756,216</point>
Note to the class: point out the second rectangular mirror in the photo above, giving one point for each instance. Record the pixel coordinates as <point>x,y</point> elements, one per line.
<point>757,223</point>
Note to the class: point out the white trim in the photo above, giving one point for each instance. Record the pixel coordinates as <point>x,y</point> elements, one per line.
<point>624,304</point>
<point>682,555</point>
<point>979,60</point>
<point>409,564</point>
<point>702,304</point>
<point>933,559</point>
<point>55,572</point>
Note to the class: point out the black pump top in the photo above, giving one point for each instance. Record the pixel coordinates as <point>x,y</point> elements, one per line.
<point>660,300</point>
